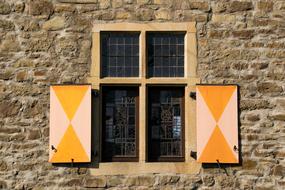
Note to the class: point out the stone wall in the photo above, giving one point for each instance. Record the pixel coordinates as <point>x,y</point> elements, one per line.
<point>49,41</point>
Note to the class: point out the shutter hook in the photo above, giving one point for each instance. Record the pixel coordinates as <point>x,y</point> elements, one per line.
<point>53,148</point>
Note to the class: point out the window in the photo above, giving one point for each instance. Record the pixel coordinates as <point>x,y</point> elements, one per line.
<point>166,123</point>
<point>144,73</point>
<point>120,54</point>
<point>120,123</point>
<point>165,54</point>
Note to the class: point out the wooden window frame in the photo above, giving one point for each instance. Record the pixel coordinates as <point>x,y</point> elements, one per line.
<point>190,79</point>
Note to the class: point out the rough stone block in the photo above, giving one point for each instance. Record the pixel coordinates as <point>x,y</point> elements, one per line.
<point>200,5</point>
<point>40,7</point>
<point>162,14</point>
<point>4,8</point>
<point>56,23</point>
<point>95,182</point>
<point>78,1</point>
<point>236,6</point>
<point>6,25</point>
<point>266,6</point>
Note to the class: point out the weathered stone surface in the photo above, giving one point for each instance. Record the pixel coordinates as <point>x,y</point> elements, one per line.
<point>223,18</point>
<point>244,34</point>
<point>162,14</point>
<point>265,6</point>
<point>104,4</point>
<point>6,74</point>
<point>3,166</point>
<point>22,76</point>
<point>95,182</point>
<point>33,134</point>
<point>9,108</point>
<point>10,44</point>
<point>145,14</point>
<point>143,2</point>
<point>200,5</point>
<point>55,23</point>
<point>167,179</point>
<point>269,87</point>
<point>3,184</point>
<point>19,6</point>
<point>4,8</point>
<point>114,181</point>
<point>140,181</point>
<point>6,25</point>
<point>236,6</point>
<point>249,164</point>
<point>41,7</point>
<point>278,115</point>
<point>78,1</point>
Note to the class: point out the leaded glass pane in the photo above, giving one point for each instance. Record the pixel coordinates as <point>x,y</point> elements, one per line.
<point>165,122</point>
<point>120,54</point>
<point>119,122</point>
<point>165,56</point>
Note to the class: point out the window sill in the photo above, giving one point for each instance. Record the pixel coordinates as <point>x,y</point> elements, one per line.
<point>122,168</point>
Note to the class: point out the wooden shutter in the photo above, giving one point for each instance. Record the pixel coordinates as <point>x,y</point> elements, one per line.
<point>217,124</point>
<point>70,123</point>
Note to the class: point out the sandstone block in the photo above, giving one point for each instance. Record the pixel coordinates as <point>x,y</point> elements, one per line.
<point>6,25</point>
<point>200,5</point>
<point>21,76</point>
<point>143,2</point>
<point>244,34</point>
<point>249,164</point>
<point>55,23</point>
<point>236,6</point>
<point>78,1</point>
<point>266,6</point>
<point>252,117</point>
<point>9,130</point>
<point>277,115</point>
<point>117,3</point>
<point>10,44</point>
<point>168,179</point>
<point>223,18</point>
<point>104,4</point>
<point>3,165</point>
<point>162,14</point>
<point>140,180</point>
<point>19,6</point>
<point>9,108</point>
<point>114,181</point>
<point>269,87</point>
<point>145,14</point>
<point>3,185</point>
<point>123,15</point>
<point>41,7</point>
<point>95,182</point>
<point>33,134</point>
<point>6,74</point>
<point>4,8</point>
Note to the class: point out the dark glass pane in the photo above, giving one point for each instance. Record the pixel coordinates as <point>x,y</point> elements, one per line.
<point>119,122</point>
<point>120,50</point>
<point>166,52</point>
<point>165,123</point>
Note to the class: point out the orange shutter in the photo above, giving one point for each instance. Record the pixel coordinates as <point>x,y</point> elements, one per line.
<point>70,123</point>
<point>217,124</point>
